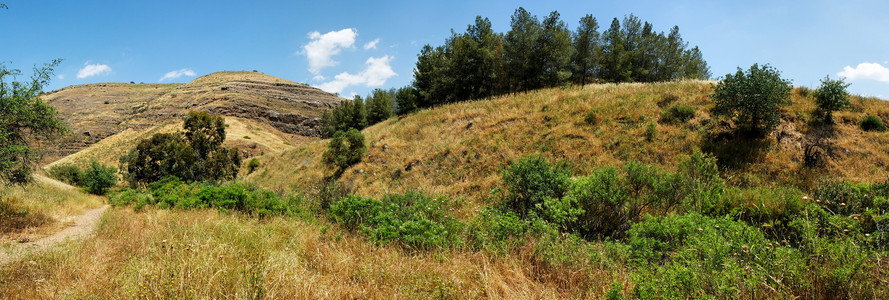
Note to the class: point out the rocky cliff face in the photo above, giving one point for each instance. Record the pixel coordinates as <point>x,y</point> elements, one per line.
<point>96,111</point>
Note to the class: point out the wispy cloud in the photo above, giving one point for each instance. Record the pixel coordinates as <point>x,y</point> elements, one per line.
<point>177,74</point>
<point>93,70</point>
<point>377,72</point>
<point>371,44</point>
<point>61,77</point>
<point>323,46</point>
<point>872,71</point>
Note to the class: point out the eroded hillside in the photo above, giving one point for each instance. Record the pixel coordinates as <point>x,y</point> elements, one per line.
<point>97,111</point>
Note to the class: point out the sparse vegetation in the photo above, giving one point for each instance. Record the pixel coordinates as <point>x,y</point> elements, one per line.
<point>678,113</point>
<point>344,150</point>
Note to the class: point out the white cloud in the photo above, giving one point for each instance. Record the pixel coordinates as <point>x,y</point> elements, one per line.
<point>93,70</point>
<point>319,78</point>
<point>177,74</point>
<point>61,77</point>
<point>323,46</point>
<point>872,71</point>
<point>377,72</point>
<point>371,44</point>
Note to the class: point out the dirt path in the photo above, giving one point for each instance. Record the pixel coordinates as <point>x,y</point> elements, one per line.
<point>83,225</point>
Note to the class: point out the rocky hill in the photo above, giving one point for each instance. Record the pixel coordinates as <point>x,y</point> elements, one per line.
<point>97,111</point>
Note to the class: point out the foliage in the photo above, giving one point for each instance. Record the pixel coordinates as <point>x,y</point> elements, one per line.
<point>872,123</point>
<point>380,106</point>
<point>405,100</point>
<point>650,131</point>
<point>24,118</point>
<point>252,165</point>
<point>591,118</point>
<point>344,150</point>
<point>413,219</point>
<point>196,155</point>
<point>678,113</point>
<point>831,96</point>
<point>70,174</point>
<point>233,196</point>
<point>752,98</point>
<point>349,114</point>
<point>538,53</point>
<point>531,181</point>
<point>497,231</point>
<point>98,178</point>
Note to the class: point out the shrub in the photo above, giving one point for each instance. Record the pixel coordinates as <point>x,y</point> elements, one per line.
<point>591,118</point>
<point>416,220</point>
<point>678,113</point>
<point>344,150</point>
<point>752,98</point>
<point>125,197</point>
<point>252,165</point>
<point>497,231</point>
<point>831,96</point>
<point>98,178</point>
<point>872,123</point>
<point>650,131</point>
<point>531,180</point>
<point>70,174</point>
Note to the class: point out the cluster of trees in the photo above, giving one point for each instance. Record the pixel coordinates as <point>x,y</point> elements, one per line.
<point>359,113</point>
<point>195,155</point>
<point>536,54</point>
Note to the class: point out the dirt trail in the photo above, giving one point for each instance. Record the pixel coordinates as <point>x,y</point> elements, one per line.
<point>83,225</point>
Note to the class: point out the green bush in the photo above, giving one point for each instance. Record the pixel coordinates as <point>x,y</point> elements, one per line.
<point>344,150</point>
<point>70,174</point>
<point>98,178</point>
<point>678,113</point>
<point>252,165</point>
<point>125,197</point>
<point>752,98</point>
<point>591,118</point>
<point>413,219</point>
<point>650,131</point>
<point>497,231</point>
<point>872,123</point>
<point>531,180</point>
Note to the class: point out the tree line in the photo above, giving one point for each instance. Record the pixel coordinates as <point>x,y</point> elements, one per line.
<point>533,54</point>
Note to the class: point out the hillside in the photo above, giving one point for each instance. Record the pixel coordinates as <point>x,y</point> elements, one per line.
<point>97,111</point>
<point>457,150</point>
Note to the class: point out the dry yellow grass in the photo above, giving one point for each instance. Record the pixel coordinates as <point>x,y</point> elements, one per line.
<point>47,204</point>
<point>457,150</point>
<point>162,254</point>
<point>250,135</point>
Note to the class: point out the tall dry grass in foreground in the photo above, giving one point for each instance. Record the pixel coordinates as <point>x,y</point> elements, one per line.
<point>41,207</point>
<point>203,254</point>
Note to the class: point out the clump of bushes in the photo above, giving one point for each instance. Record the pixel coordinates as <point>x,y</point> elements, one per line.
<point>235,196</point>
<point>70,174</point>
<point>872,123</point>
<point>591,118</point>
<point>416,220</point>
<point>96,179</point>
<point>678,114</point>
<point>344,150</point>
<point>252,165</point>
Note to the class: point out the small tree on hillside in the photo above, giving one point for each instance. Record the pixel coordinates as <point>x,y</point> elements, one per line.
<point>752,98</point>
<point>831,96</point>
<point>98,178</point>
<point>344,150</point>
<point>24,117</point>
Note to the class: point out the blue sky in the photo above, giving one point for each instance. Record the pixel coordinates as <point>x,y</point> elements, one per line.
<point>351,47</point>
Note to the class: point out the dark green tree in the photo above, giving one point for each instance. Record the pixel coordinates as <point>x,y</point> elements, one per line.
<point>349,114</point>
<point>380,106</point>
<point>520,47</point>
<point>831,96</point>
<point>553,52</point>
<point>98,178</point>
<point>24,118</point>
<point>197,155</point>
<point>584,62</point>
<point>344,150</point>
<point>752,98</point>
<point>431,78</point>
<point>614,66</point>
<point>406,100</point>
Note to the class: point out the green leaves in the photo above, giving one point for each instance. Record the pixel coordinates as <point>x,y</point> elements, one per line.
<point>344,150</point>
<point>752,98</point>
<point>831,96</point>
<point>23,117</point>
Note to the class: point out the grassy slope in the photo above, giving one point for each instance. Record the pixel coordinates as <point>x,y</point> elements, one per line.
<point>41,207</point>
<point>250,135</point>
<point>457,150</point>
